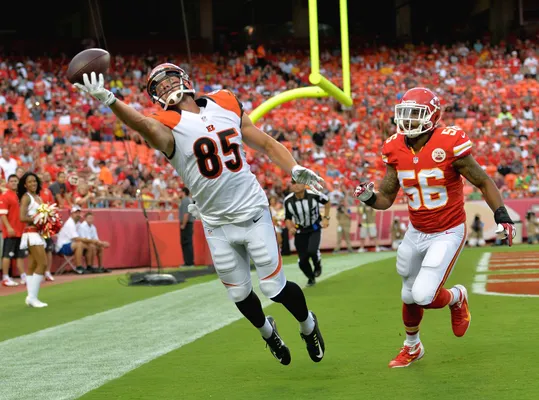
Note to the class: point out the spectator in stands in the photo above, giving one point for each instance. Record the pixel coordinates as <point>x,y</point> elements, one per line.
<point>58,188</point>
<point>10,115</point>
<point>105,176</point>
<point>7,163</point>
<point>69,243</point>
<point>83,197</point>
<point>12,233</point>
<point>26,157</point>
<point>87,230</point>
<point>186,227</point>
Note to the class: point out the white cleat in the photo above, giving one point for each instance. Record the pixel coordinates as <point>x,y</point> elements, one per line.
<point>35,303</point>
<point>49,277</point>
<point>9,283</point>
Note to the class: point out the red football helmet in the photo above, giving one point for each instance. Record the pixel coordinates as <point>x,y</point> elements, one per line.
<point>418,112</point>
<point>167,83</point>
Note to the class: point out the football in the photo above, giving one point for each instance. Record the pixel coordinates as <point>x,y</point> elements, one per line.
<point>87,61</point>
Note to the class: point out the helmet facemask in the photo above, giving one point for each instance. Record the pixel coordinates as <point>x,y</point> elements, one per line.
<point>172,85</point>
<point>413,119</point>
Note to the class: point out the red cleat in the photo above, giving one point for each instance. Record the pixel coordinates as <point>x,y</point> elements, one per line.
<point>460,313</point>
<point>407,355</point>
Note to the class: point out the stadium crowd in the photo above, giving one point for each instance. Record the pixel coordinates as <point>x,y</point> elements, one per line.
<point>88,158</point>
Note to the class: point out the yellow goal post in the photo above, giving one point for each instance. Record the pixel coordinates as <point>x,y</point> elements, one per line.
<point>322,87</point>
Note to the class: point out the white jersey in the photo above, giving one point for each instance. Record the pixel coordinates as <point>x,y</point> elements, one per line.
<point>209,157</point>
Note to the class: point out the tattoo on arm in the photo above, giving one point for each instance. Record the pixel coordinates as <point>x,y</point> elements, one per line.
<point>471,170</point>
<point>390,184</point>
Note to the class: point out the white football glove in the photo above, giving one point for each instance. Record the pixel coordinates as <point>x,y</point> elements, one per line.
<point>307,177</point>
<point>504,224</point>
<point>96,88</point>
<point>193,210</point>
<point>364,191</point>
<point>508,230</point>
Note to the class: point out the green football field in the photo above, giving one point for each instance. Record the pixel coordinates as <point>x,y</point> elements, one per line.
<point>101,340</point>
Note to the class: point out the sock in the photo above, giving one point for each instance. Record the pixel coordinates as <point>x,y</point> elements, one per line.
<point>251,309</point>
<point>29,282</point>
<point>266,329</point>
<point>307,326</point>
<point>23,276</point>
<point>456,295</point>
<point>293,299</point>
<point>36,282</point>
<point>412,314</point>
<point>442,300</point>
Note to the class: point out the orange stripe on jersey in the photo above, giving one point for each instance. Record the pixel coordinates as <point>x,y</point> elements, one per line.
<point>453,262</point>
<point>168,118</point>
<point>228,284</point>
<point>227,100</point>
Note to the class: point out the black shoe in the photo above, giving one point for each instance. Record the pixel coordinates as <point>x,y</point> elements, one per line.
<point>79,270</point>
<point>315,342</point>
<point>311,282</point>
<point>102,270</point>
<point>277,346</point>
<point>317,272</point>
<point>90,270</point>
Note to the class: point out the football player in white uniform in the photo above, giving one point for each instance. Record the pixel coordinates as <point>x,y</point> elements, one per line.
<point>203,139</point>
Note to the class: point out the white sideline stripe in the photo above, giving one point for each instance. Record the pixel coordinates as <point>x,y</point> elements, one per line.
<point>482,266</point>
<point>479,286</point>
<point>513,280</point>
<point>514,264</point>
<point>69,360</point>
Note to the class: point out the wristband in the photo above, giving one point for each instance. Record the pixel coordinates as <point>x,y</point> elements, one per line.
<point>501,216</point>
<point>371,200</point>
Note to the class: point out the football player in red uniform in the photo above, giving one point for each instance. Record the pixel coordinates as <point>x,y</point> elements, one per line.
<point>427,162</point>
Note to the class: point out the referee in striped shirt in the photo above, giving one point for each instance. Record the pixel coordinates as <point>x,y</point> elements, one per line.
<point>303,219</point>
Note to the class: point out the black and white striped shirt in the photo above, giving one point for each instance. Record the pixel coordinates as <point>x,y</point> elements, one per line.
<point>305,212</point>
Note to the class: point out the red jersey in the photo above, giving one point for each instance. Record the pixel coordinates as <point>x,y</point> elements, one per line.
<point>9,206</point>
<point>434,188</point>
<point>47,196</point>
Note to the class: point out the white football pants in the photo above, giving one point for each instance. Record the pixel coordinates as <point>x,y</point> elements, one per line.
<point>425,262</point>
<point>232,246</point>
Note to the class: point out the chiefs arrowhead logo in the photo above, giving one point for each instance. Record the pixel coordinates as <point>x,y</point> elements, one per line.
<point>438,155</point>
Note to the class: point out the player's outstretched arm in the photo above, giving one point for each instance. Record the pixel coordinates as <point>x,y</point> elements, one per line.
<point>471,170</point>
<point>385,197</point>
<point>260,141</point>
<point>279,154</point>
<point>154,132</point>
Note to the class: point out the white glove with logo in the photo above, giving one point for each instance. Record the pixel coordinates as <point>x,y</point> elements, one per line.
<point>364,191</point>
<point>307,177</point>
<point>96,88</point>
<point>193,210</point>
